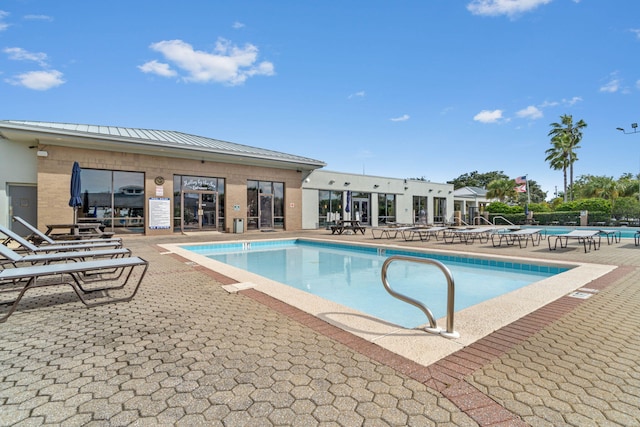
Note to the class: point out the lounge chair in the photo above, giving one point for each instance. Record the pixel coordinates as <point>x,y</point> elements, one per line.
<point>613,236</point>
<point>524,235</point>
<point>19,280</point>
<point>15,259</point>
<point>388,232</point>
<point>469,235</point>
<point>38,236</point>
<point>582,236</point>
<point>11,236</point>
<point>424,233</point>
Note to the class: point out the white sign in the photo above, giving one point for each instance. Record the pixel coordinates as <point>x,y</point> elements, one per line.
<point>159,213</point>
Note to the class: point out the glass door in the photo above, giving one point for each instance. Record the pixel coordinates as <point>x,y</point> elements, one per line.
<point>266,211</point>
<point>198,210</point>
<point>360,210</point>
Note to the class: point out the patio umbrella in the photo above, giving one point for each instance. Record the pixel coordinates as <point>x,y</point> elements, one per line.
<point>76,193</point>
<point>347,208</point>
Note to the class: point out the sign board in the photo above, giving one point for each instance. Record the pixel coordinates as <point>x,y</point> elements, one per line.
<point>159,213</point>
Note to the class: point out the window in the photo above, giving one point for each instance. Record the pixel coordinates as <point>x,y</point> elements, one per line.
<point>386,208</point>
<point>420,209</point>
<point>265,204</point>
<point>115,198</point>
<point>329,207</point>
<point>439,209</point>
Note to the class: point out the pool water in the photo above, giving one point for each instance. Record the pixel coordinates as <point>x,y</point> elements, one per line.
<point>625,232</point>
<point>351,275</point>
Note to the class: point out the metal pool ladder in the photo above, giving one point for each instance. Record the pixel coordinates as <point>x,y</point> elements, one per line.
<point>433,326</point>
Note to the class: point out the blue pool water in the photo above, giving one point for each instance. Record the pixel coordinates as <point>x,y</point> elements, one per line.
<point>350,275</point>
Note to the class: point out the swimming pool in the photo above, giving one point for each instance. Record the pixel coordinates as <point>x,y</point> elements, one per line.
<point>350,275</point>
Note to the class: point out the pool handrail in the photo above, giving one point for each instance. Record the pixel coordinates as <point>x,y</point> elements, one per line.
<point>433,325</point>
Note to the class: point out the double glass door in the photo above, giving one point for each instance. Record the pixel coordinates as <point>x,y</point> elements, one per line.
<point>199,210</point>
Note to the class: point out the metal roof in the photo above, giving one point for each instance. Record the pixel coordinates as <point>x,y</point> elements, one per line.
<point>158,138</point>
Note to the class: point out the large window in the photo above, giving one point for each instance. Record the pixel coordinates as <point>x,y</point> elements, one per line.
<point>420,210</point>
<point>265,205</point>
<point>114,198</point>
<point>439,210</point>
<point>386,208</point>
<point>329,207</point>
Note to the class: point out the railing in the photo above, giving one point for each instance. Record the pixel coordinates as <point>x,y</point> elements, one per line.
<point>502,218</point>
<point>433,326</point>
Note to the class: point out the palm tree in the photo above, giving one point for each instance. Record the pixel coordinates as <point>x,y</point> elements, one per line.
<point>558,157</point>
<point>501,189</point>
<point>574,135</point>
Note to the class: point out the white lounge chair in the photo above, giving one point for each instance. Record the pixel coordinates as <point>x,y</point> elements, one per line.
<point>523,235</point>
<point>582,236</point>
<point>424,233</point>
<point>469,235</point>
<point>11,236</point>
<point>39,236</point>
<point>15,259</point>
<point>16,281</point>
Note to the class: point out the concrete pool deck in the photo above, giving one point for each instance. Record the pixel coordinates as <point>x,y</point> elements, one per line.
<point>187,352</point>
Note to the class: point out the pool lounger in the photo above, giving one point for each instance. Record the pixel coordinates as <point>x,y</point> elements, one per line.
<point>38,236</point>
<point>21,279</point>
<point>15,259</point>
<point>590,237</point>
<point>423,233</point>
<point>388,232</point>
<point>521,236</point>
<point>613,236</point>
<point>469,235</point>
<point>26,245</point>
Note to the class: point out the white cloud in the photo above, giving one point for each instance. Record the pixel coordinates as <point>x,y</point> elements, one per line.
<point>486,116</point>
<point>510,8</point>
<point>228,63</point>
<point>402,118</point>
<point>19,54</point>
<point>38,80</point>
<point>38,18</point>
<point>3,25</point>
<point>237,25</point>
<point>572,101</point>
<point>155,67</point>
<point>360,94</point>
<point>636,31</point>
<point>611,86</point>
<point>531,112</point>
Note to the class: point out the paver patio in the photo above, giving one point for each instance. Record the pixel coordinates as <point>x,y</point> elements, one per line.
<point>186,352</point>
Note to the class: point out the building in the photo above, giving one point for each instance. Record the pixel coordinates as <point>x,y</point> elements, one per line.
<point>159,182</point>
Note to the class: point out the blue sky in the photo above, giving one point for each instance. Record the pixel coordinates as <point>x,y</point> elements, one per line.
<point>403,89</point>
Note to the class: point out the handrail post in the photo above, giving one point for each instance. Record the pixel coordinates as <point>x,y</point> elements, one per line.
<point>433,327</point>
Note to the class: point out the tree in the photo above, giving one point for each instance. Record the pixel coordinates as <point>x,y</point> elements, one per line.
<point>502,189</point>
<point>565,138</point>
<point>475,179</point>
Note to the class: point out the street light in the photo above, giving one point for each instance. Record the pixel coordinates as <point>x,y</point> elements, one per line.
<point>634,126</point>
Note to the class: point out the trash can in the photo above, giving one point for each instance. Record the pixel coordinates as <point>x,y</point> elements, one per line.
<point>238,225</point>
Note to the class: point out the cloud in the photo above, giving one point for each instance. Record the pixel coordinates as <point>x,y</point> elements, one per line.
<point>19,54</point>
<point>227,64</point>
<point>636,31</point>
<point>155,67</point>
<point>3,25</point>
<point>486,116</point>
<point>38,18</point>
<point>531,112</point>
<point>38,80</point>
<point>360,94</point>
<point>237,25</point>
<point>402,118</point>
<point>612,86</point>
<point>510,8</point>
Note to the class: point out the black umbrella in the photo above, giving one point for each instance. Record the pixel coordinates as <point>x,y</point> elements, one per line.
<point>76,191</point>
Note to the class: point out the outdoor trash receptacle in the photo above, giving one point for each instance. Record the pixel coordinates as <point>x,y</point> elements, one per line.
<point>238,225</point>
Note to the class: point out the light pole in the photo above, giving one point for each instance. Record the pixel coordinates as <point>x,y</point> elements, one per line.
<point>634,126</point>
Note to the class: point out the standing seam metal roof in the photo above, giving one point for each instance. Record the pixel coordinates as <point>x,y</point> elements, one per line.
<point>163,138</point>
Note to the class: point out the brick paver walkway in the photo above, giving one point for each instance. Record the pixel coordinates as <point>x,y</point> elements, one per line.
<point>186,352</point>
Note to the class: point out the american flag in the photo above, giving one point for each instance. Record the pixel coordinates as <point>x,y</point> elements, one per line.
<point>521,180</point>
